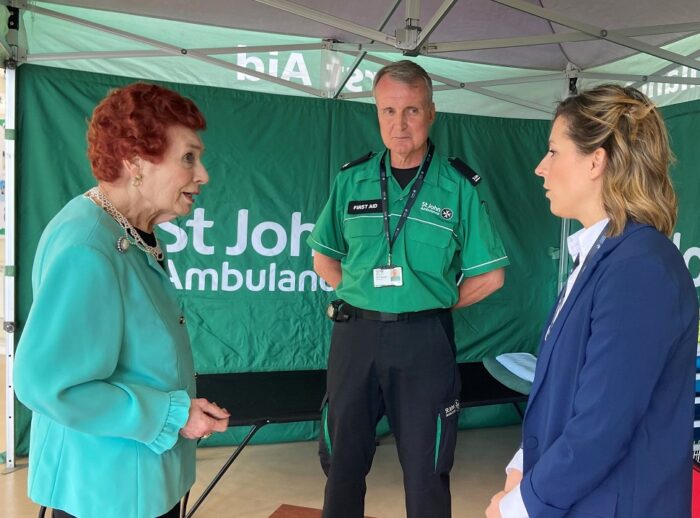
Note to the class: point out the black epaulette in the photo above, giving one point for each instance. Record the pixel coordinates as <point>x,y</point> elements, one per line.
<point>471,175</point>
<point>357,161</point>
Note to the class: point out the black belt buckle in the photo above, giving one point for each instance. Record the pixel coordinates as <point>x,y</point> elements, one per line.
<point>335,313</point>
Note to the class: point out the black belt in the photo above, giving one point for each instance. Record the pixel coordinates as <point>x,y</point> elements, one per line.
<point>381,316</point>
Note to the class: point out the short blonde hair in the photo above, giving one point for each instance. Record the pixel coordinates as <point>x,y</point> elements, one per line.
<point>627,125</point>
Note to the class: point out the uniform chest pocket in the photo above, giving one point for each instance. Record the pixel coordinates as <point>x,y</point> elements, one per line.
<point>363,226</point>
<point>365,238</point>
<point>430,247</point>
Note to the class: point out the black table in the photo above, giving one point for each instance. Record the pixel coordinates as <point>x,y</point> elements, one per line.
<point>259,398</point>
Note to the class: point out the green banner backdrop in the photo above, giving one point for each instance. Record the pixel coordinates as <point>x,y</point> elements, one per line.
<point>240,261</point>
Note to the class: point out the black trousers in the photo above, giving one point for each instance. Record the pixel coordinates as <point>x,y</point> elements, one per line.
<point>173,513</point>
<point>407,371</point>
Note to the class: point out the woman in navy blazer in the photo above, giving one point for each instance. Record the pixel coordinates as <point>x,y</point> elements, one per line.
<point>608,429</point>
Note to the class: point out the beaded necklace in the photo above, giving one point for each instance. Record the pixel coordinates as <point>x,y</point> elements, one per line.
<point>131,235</point>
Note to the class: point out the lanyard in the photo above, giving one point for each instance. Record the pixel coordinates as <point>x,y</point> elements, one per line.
<point>560,300</point>
<point>417,184</point>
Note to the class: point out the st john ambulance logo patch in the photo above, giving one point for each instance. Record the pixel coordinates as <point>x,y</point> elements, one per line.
<point>446,214</point>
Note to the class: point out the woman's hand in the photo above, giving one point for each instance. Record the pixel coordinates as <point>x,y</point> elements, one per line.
<point>205,418</point>
<point>514,477</point>
<point>493,511</point>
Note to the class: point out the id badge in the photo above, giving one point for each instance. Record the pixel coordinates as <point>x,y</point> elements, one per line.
<point>385,276</point>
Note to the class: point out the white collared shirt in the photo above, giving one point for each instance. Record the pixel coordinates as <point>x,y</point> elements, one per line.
<point>579,245</point>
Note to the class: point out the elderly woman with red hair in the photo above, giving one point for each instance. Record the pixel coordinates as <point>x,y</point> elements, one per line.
<point>104,361</point>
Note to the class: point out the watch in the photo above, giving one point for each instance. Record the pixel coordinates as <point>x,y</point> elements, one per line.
<point>334,313</point>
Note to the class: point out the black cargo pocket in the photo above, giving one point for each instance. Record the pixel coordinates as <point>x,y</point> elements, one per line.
<point>446,436</point>
<point>324,438</point>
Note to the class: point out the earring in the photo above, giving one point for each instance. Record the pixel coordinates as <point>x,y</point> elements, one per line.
<point>136,182</point>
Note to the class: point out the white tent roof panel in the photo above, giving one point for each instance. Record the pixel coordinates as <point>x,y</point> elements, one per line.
<point>467,20</point>
<point>475,41</point>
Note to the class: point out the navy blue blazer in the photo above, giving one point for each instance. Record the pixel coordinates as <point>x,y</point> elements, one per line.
<point>608,428</point>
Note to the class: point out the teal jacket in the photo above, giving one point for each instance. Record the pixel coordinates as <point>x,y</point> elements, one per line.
<point>105,365</point>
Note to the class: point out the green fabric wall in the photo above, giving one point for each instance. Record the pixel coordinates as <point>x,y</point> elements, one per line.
<point>275,157</point>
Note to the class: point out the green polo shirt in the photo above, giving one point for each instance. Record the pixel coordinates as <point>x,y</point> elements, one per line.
<point>448,233</point>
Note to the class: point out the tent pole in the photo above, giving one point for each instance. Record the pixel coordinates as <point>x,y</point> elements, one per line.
<point>209,51</point>
<point>9,317</point>
<point>600,32</point>
<point>407,36</point>
<point>548,39</point>
<point>9,286</point>
<point>332,21</point>
<point>564,231</point>
<point>665,70</point>
<point>570,88</point>
<point>172,49</point>
<point>362,54</point>
<point>434,22</point>
<point>466,86</point>
<point>641,79</point>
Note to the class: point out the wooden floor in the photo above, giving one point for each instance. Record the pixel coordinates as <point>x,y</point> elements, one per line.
<point>266,477</point>
<point>295,511</point>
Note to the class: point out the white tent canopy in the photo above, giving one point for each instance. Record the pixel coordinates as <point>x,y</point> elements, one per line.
<point>506,58</point>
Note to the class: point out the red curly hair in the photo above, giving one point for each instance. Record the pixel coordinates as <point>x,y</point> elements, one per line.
<point>132,121</point>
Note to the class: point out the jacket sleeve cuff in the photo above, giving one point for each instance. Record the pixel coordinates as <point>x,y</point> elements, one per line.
<point>516,462</point>
<point>178,413</point>
<point>534,504</point>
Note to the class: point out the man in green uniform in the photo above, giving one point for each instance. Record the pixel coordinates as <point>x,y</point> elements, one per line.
<point>403,239</point>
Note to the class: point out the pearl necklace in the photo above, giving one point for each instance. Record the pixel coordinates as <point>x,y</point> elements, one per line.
<point>131,235</point>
